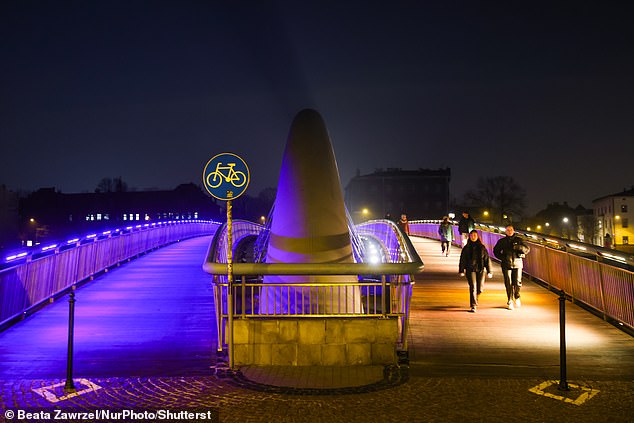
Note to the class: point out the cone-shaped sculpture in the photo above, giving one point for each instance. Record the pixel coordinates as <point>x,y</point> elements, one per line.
<point>309,224</point>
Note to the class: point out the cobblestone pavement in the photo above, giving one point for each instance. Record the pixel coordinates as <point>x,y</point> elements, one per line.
<point>230,397</point>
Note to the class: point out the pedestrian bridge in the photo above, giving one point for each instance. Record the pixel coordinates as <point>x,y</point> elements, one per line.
<point>145,308</point>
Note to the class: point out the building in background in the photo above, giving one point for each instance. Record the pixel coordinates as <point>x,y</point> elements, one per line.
<point>47,214</point>
<point>9,221</point>
<point>420,194</point>
<point>612,215</point>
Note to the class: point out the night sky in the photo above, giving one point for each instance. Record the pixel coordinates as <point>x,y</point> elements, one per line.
<point>149,91</point>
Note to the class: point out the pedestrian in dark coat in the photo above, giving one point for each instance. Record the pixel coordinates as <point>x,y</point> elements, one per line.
<point>445,231</point>
<point>511,250</point>
<point>465,225</point>
<point>474,262</point>
<point>403,224</point>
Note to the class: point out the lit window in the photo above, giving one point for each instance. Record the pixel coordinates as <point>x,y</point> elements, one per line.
<point>623,208</point>
<point>626,240</point>
<point>106,216</point>
<point>137,217</point>
<point>195,215</point>
<point>98,216</point>
<point>147,216</point>
<point>87,217</point>
<point>125,216</point>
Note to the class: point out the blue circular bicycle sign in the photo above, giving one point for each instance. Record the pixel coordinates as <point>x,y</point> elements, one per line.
<point>226,176</point>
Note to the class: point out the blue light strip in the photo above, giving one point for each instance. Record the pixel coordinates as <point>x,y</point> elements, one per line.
<point>92,236</point>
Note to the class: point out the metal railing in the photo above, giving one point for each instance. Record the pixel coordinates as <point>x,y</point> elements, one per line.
<point>383,290</point>
<point>40,278</point>
<point>321,300</point>
<point>581,271</point>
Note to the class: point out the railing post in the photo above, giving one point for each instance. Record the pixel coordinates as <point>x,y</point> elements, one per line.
<point>229,285</point>
<point>407,295</point>
<point>383,284</point>
<point>69,386</point>
<point>244,295</point>
<point>602,289</point>
<point>570,274</point>
<point>218,306</point>
<point>563,383</point>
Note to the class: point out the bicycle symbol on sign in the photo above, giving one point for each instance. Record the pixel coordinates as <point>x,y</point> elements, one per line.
<point>226,174</point>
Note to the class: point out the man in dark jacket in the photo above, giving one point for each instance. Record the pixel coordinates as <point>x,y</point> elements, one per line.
<point>510,250</point>
<point>465,225</point>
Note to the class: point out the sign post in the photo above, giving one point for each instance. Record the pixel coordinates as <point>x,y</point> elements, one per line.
<point>226,177</point>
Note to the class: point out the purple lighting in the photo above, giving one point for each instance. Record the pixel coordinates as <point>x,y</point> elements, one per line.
<point>92,237</point>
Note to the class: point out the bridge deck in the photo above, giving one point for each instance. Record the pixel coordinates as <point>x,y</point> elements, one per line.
<point>446,339</point>
<point>154,317</point>
<point>145,335</point>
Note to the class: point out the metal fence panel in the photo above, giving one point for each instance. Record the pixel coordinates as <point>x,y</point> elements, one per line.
<point>605,288</point>
<point>35,281</point>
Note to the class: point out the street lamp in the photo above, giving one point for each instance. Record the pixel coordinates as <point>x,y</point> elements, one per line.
<point>32,231</point>
<point>565,221</point>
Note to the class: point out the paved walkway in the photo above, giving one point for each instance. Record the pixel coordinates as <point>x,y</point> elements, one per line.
<point>492,366</point>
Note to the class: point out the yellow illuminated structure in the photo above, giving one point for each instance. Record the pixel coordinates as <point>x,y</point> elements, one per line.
<point>612,215</point>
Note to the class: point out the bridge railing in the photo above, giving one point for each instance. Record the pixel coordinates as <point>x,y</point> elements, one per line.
<point>383,290</point>
<point>41,275</point>
<point>593,276</point>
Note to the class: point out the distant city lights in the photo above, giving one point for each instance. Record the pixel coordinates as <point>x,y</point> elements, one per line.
<point>92,237</point>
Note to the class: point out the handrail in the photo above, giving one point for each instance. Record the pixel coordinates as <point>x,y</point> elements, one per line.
<point>29,284</point>
<point>372,306</point>
<point>380,297</point>
<point>584,276</point>
<point>569,245</point>
<point>315,268</point>
<point>413,265</point>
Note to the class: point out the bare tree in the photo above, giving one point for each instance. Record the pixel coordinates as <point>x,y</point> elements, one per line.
<point>111,185</point>
<point>501,195</point>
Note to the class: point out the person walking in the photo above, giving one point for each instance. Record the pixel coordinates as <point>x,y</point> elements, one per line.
<point>446,235</point>
<point>511,250</point>
<point>607,241</point>
<point>403,224</point>
<point>465,226</point>
<point>474,261</point>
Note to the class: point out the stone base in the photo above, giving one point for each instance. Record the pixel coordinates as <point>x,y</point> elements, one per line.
<point>314,341</point>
